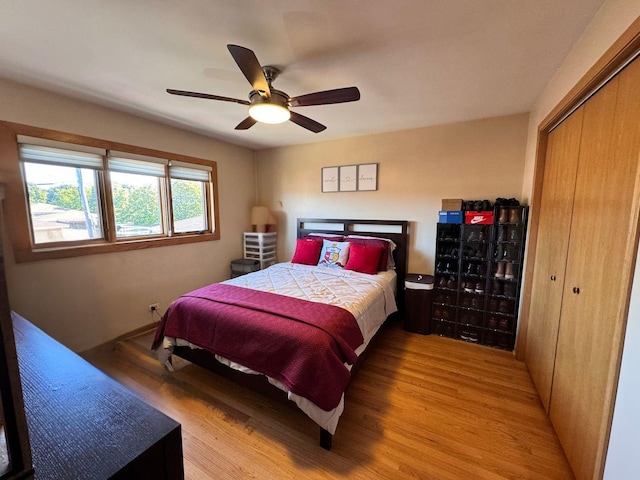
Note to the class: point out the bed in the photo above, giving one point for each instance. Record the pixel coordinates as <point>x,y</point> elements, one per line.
<point>298,330</point>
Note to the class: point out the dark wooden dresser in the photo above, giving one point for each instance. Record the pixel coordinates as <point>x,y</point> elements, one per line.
<point>83,424</point>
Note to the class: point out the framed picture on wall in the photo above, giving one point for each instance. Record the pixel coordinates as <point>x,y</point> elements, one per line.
<point>348,178</point>
<point>329,179</point>
<point>368,176</point>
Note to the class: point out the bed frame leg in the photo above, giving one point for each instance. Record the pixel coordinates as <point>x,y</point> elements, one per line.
<point>325,439</point>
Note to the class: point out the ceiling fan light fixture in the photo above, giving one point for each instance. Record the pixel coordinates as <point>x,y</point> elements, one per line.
<point>269,113</point>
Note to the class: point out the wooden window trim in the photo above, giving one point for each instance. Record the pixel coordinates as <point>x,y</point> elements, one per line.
<point>15,206</point>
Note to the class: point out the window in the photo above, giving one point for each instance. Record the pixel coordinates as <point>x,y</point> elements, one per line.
<point>95,199</point>
<point>63,193</point>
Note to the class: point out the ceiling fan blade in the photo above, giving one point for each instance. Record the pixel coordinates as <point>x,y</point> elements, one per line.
<point>338,95</point>
<point>207,96</point>
<point>306,122</point>
<point>250,67</point>
<point>246,123</point>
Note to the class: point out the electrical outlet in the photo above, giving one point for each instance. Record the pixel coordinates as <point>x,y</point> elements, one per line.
<point>154,307</point>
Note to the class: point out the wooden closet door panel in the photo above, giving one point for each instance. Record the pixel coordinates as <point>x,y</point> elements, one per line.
<point>556,205</point>
<point>602,245</point>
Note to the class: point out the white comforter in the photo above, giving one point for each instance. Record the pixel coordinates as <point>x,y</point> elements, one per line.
<point>370,298</point>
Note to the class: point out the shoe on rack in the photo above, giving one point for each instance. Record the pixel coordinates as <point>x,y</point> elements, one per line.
<point>474,337</point>
<point>493,305</point>
<point>475,303</point>
<point>502,234</point>
<point>510,271</point>
<point>503,216</point>
<point>451,283</point>
<point>499,270</point>
<point>514,235</point>
<point>514,215</point>
<point>445,314</point>
<point>437,313</point>
<point>464,335</point>
<point>469,287</point>
<point>442,283</point>
<point>471,269</point>
<point>466,302</point>
<point>503,324</point>
<point>480,287</point>
<point>496,287</point>
<point>503,306</point>
<point>473,236</point>
<point>492,322</point>
<point>510,290</point>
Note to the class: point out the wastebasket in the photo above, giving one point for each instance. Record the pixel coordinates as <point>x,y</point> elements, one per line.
<point>418,298</point>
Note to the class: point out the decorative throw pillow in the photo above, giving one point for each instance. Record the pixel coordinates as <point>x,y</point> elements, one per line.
<point>365,258</point>
<point>334,254</point>
<point>307,251</point>
<point>386,261</point>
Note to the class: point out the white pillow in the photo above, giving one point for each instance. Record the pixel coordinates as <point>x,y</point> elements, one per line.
<point>334,254</point>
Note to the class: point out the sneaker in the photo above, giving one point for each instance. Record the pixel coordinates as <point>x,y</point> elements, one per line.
<point>502,234</point>
<point>480,287</point>
<point>514,216</point>
<point>509,271</point>
<point>503,324</point>
<point>492,322</point>
<point>442,283</point>
<point>466,302</point>
<point>503,306</point>
<point>465,335</point>
<point>509,290</point>
<point>473,237</point>
<point>469,287</point>
<point>496,287</point>
<point>493,304</point>
<point>514,235</point>
<point>503,215</point>
<point>451,283</point>
<point>475,303</point>
<point>499,270</point>
<point>474,337</point>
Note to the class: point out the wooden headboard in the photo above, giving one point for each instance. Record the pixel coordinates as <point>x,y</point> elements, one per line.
<point>396,230</point>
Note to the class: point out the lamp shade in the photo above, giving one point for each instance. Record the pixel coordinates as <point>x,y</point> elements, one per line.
<point>260,218</point>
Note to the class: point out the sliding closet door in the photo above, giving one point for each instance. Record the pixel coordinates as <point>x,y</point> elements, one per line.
<point>556,206</point>
<point>598,274</point>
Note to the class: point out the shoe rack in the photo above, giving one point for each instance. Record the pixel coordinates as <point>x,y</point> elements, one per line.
<point>478,277</point>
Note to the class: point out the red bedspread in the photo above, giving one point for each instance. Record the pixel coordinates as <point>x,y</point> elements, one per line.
<point>302,344</point>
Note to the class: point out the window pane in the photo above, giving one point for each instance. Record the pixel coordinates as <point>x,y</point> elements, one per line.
<point>136,204</point>
<point>188,199</point>
<point>63,202</point>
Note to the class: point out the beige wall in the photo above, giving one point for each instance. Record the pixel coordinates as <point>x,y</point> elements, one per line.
<point>86,301</point>
<point>416,169</point>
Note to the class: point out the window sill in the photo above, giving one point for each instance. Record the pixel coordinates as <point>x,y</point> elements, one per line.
<point>35,254</point>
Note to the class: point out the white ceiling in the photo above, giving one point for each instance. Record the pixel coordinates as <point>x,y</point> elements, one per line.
<point>416,62</point>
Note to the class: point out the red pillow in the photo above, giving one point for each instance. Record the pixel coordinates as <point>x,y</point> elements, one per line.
<point>307,251</point>
<point>364,258</point>
<point>374,242</point>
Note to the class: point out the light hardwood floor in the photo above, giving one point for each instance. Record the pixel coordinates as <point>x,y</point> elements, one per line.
<point>421,407</point>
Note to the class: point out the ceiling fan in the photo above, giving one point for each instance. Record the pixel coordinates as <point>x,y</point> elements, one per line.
<point>268,105</point>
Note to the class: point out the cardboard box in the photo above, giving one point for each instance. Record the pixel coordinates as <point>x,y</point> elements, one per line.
<point>451,204</point>
<point>448,216</point>
<point>478,218</point>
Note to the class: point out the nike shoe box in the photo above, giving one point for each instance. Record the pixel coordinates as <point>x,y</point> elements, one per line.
<point>478,218</point>
<point>449,216</point>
